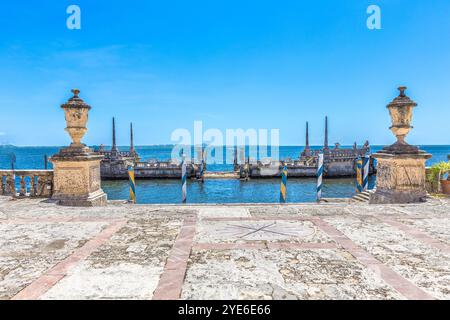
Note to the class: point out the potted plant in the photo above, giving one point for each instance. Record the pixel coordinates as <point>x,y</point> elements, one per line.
<point>439,175</point>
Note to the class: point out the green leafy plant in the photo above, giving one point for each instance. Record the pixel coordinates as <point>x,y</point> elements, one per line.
<point>437,171</point>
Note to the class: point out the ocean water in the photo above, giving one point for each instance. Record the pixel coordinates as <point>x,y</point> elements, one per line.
<point>212,191</point>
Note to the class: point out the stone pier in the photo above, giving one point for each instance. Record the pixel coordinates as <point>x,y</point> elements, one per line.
<point>76,180</point>
<point>400,178</point>
<point>401,166</point>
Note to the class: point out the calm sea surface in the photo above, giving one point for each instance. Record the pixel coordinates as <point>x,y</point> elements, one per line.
<point>212,191</point>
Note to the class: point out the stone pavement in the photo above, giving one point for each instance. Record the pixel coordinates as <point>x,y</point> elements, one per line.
<point>304,251</point>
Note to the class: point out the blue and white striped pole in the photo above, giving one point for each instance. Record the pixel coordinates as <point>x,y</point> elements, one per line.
<point>365,180</point>
<point>319,177</point>
<point>183,180</point>
<point>283,186</point>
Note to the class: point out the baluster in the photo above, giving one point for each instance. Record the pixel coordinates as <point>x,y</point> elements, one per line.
<point>32,186</point>
<point>49,186</point>
<point>36,185</point>
<point>6,178</point>
<point>40,186</point>
<point>23,186</point>
<point>3,185</point>
<point>12,185</point>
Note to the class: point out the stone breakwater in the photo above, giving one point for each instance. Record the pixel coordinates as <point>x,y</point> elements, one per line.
<point>302,251</point>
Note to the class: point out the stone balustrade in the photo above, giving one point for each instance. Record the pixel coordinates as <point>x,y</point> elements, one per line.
<point>26,183</point>
<point>161,164</point>
<point>118,154</point>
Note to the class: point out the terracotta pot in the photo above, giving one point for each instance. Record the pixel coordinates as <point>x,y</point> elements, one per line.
<point>445,184</point>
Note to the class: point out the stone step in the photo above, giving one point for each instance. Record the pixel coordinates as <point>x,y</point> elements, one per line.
<point>363,196</point>
<point>221,175</point>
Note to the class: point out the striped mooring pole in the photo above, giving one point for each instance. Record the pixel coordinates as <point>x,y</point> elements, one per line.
<point>202,168</point>
<point>132,184</point>
<point>365,179</point>
<point>283,185</point>
<point>203,171</point>
<point>359,165</point>
<point>319,177</point>
<point>183,180</point>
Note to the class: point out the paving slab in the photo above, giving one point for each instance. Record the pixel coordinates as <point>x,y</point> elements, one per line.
<point>239,251</point>
<point>27,250</point>
<point>281,274</point>
<point>422,264</point>
<point>270,230</point>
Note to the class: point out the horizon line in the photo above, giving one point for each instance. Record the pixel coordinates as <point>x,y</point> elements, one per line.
<point>172,145</point>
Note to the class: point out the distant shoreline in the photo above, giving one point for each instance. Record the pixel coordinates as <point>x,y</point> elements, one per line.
<point>228,146</point>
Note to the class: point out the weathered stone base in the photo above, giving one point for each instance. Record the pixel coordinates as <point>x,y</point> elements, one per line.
<point>93,200</point>
<point>76,179</point>
<point>400,177</point>
<point>394,196</point>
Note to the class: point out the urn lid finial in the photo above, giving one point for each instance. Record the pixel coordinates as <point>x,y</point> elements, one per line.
<point>75,101</point>
<point>75,92</point>
<point>402,100</point>
<point>402,90</point>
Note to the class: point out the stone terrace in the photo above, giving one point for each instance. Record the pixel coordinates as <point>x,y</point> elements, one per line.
<point>305,251</point>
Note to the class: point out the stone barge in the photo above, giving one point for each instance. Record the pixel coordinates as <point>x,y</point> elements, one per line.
<point>338,163</point>
<point>115,163</point>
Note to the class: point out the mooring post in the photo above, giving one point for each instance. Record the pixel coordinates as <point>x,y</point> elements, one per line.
<point>365,180</point>
<point>202,171</point>
<point>319,176</point>
<point>283,186</point>
<point>247,169</point>
<point>235,160</point>
<point>132,182</point>
<point>205,159</point>
<point>183,179</point>
<point>359,165</point>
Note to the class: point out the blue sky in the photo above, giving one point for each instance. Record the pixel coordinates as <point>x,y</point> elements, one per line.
<point>232,64</point>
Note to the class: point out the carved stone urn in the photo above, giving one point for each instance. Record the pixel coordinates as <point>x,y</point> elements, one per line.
<point>401,113</point>
<point>76,113</point>
<point>401,166</point>
<point>76,168</point>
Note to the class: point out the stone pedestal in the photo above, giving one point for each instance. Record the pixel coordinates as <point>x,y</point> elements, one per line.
<point>400,177</point>
<point>76,180</point>
<point>401,166</point>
